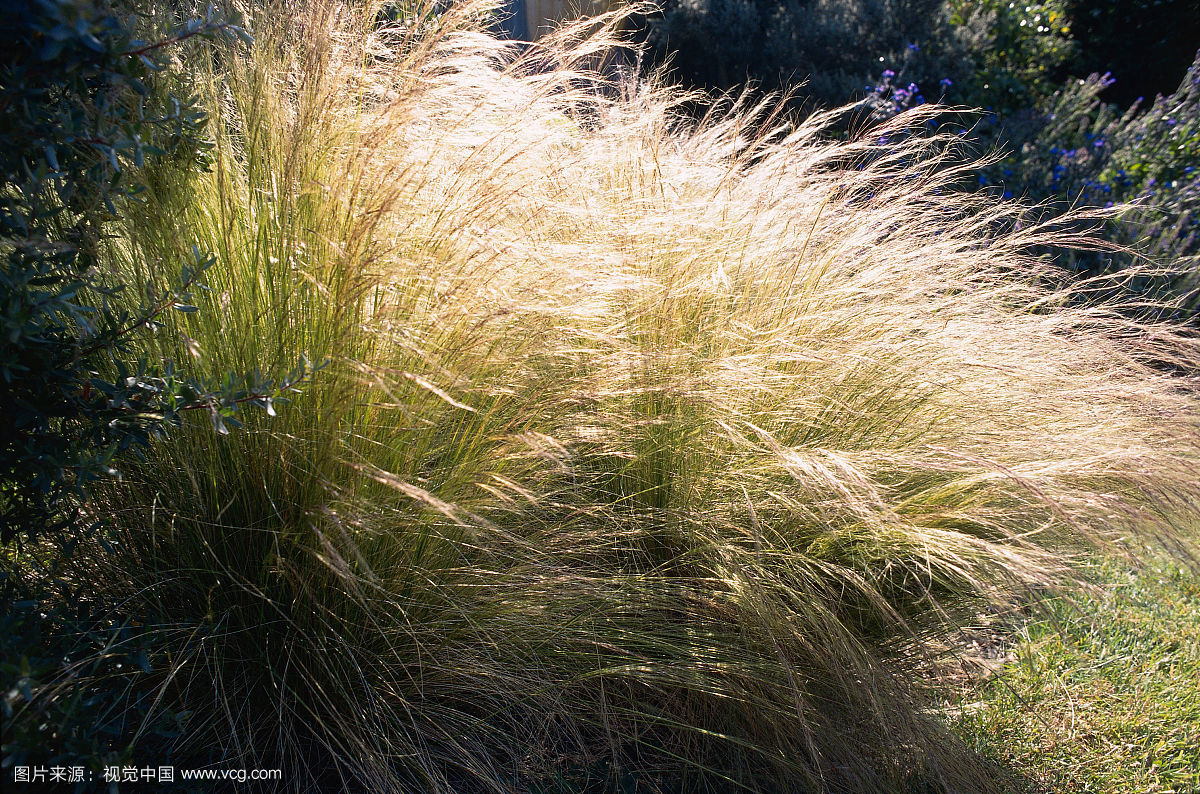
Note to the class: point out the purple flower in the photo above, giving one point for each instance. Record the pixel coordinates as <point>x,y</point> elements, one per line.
<point>946,82</point>
<point>913,48</point>
<point>888,74</point>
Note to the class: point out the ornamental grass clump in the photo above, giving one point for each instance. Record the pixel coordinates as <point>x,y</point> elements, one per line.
<point>635,441</point>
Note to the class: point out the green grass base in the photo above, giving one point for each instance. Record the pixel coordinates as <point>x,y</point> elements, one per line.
<point>1103,694</point>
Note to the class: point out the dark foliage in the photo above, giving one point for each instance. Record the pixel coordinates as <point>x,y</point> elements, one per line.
<point>1145,44</point>
<point>824,52</point>
<point>84,103</point>
<point>834,46</point>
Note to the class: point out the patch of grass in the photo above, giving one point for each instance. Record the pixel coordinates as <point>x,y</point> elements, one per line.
<point>1103,694</point>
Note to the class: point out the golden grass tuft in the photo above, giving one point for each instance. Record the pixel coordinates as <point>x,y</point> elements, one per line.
<point>642,440</point>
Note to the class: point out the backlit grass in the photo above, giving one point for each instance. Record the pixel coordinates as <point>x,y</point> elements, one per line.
<point>642,444</point>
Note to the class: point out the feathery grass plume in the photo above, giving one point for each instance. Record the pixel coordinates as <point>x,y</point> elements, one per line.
<point>641,441</point>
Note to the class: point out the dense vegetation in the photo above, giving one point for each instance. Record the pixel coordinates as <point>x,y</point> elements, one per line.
<point>77,115</point>
<point>1090,103</point>
<point>999,54</point>
<point>661,448</point>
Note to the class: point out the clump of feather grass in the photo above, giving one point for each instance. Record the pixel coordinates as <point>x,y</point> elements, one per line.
<point>640,440</point>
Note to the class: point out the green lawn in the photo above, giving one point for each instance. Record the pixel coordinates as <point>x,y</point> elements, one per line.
<point>1102,695</point>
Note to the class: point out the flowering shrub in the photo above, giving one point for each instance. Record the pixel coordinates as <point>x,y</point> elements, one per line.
<point>1077,150</point>
<point>891,95</point>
